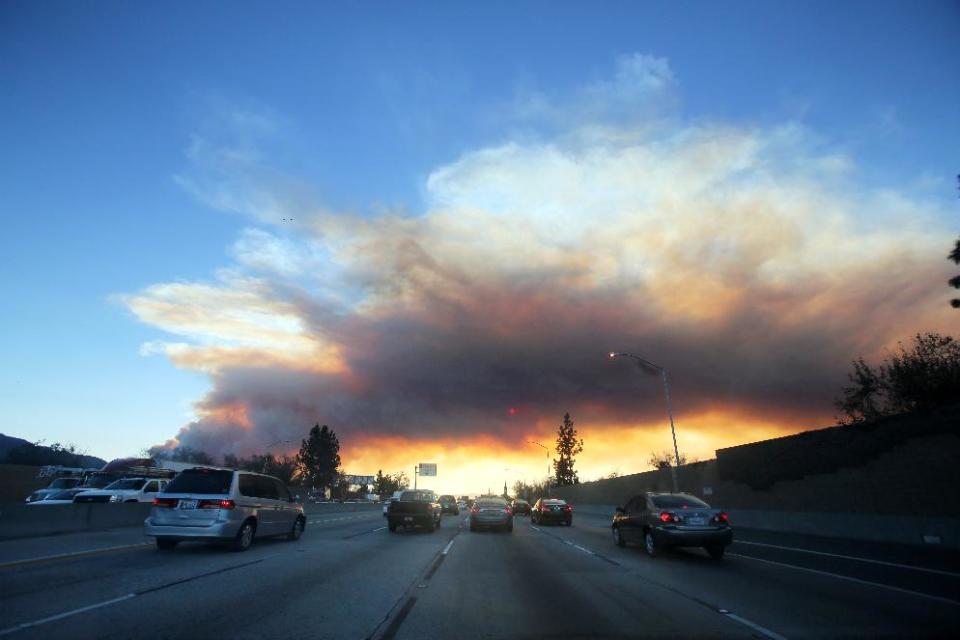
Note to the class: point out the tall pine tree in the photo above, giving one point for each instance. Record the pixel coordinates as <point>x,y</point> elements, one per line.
<point>568,447</point>
<point>319,457</point>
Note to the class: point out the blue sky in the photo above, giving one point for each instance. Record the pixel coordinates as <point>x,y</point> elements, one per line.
<point>105,106</point>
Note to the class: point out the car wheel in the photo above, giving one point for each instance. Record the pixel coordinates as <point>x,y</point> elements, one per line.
<point>510,528</point>
<point>392,527</point>
<point>650,544</point>
<point>569,523</point>
<point>618,538</point>
<point>244,537</point>
<point>166,544</point>
<point>473,527</point>
<point>296,531</point>
<point>439,522</point>
<point>432,526</point>
<point>716,551</point>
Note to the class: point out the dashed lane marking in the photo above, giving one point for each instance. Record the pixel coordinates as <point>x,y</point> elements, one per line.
<point>123,598</point>
<point>73,554</point>
<point>773,635</point>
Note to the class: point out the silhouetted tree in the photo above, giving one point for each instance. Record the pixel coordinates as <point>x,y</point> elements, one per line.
<point>568,447</point>
<point>925,377</point>
<point>664,459</point>
<point>529,492</point>
<point>182,453</point>
<point>385,484</point>
<point>319,457</point>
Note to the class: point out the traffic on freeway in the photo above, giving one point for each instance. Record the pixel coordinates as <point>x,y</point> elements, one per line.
<point>349,577</point>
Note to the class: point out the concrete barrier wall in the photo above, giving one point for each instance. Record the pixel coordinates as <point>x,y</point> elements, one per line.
<point>24,521</point>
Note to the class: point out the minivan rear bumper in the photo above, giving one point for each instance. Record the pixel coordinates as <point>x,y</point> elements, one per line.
<point>216,530</point>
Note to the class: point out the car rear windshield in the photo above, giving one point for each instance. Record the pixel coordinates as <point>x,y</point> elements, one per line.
<point>491,503</point>
<point>215,481</point>
<point>554,502</point>
<point>130,483</point>
<point>447,499</point>
<point>416,496</point>
<point>678,502</point>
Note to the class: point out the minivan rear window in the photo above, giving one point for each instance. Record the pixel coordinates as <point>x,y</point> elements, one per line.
<point>678,502</point>
<point>216,481</point>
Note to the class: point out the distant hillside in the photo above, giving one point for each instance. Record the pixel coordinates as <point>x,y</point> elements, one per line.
<point>19,451</point>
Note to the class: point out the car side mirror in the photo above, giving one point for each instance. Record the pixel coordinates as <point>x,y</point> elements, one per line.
<point>621,510</point>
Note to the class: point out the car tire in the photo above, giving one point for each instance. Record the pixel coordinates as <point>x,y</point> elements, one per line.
<point>439,522</point>
<point>510,528</point>
<point>244,537</point>
<point>432,527</point>
<point>473,528</point>
<point>297,530</point>
<point>392,527</point>
<point>618,537</point>
<point>166,544</point>
<point>569,523</point>
<point>716,551</point>
<point>650,544</point>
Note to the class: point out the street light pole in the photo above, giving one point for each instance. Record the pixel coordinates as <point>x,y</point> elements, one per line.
<point>644,363</point>
<point>547,450</point>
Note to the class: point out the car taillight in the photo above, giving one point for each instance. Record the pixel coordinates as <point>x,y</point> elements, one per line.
<point>722,517</point>
<point>507,511</point>
<point>475,510</point>
<point>568,508</point>
<point>167,503</point>
<point>666,516</point>
<point>216,504</point>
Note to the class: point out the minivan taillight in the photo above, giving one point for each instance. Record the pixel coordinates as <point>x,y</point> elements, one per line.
<point>216,504</point>
<point>167,503</point>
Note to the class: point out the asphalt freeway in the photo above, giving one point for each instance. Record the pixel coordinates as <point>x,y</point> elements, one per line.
<point>348,577</point>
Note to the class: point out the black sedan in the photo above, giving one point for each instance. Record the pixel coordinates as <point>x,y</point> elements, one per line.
<point>520,507</point>
<point>662,520</point>
<point>552,511</point>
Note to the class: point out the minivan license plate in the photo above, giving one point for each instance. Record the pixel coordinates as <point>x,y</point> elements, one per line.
<point>188,504</point>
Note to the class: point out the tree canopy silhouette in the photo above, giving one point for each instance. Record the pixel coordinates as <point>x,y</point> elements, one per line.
<point>319,457</point>
<point>568,447</point>
<point>926,376</point>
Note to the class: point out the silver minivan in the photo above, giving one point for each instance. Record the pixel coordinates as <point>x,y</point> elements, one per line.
<point>206,503</point>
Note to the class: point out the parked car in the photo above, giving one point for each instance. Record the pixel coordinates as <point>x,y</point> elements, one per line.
<point>414,509</point>
<point>125,490</point>
<point>61,497</point>
<point>520,507</point>
<point>552,510</point>
<point>662,520</point>
<point>205,503</point>
<point>448,504</point>
<point>58,485</point>
<point>491,512</point>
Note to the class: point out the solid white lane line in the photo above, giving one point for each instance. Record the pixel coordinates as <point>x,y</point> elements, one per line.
<point>773,635</point>
<point>447,548</point>
<point>858,559</point>
<point>584,549</point>
<point>66,614</point>
<point>851,579</point>
<point>378,529</point>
